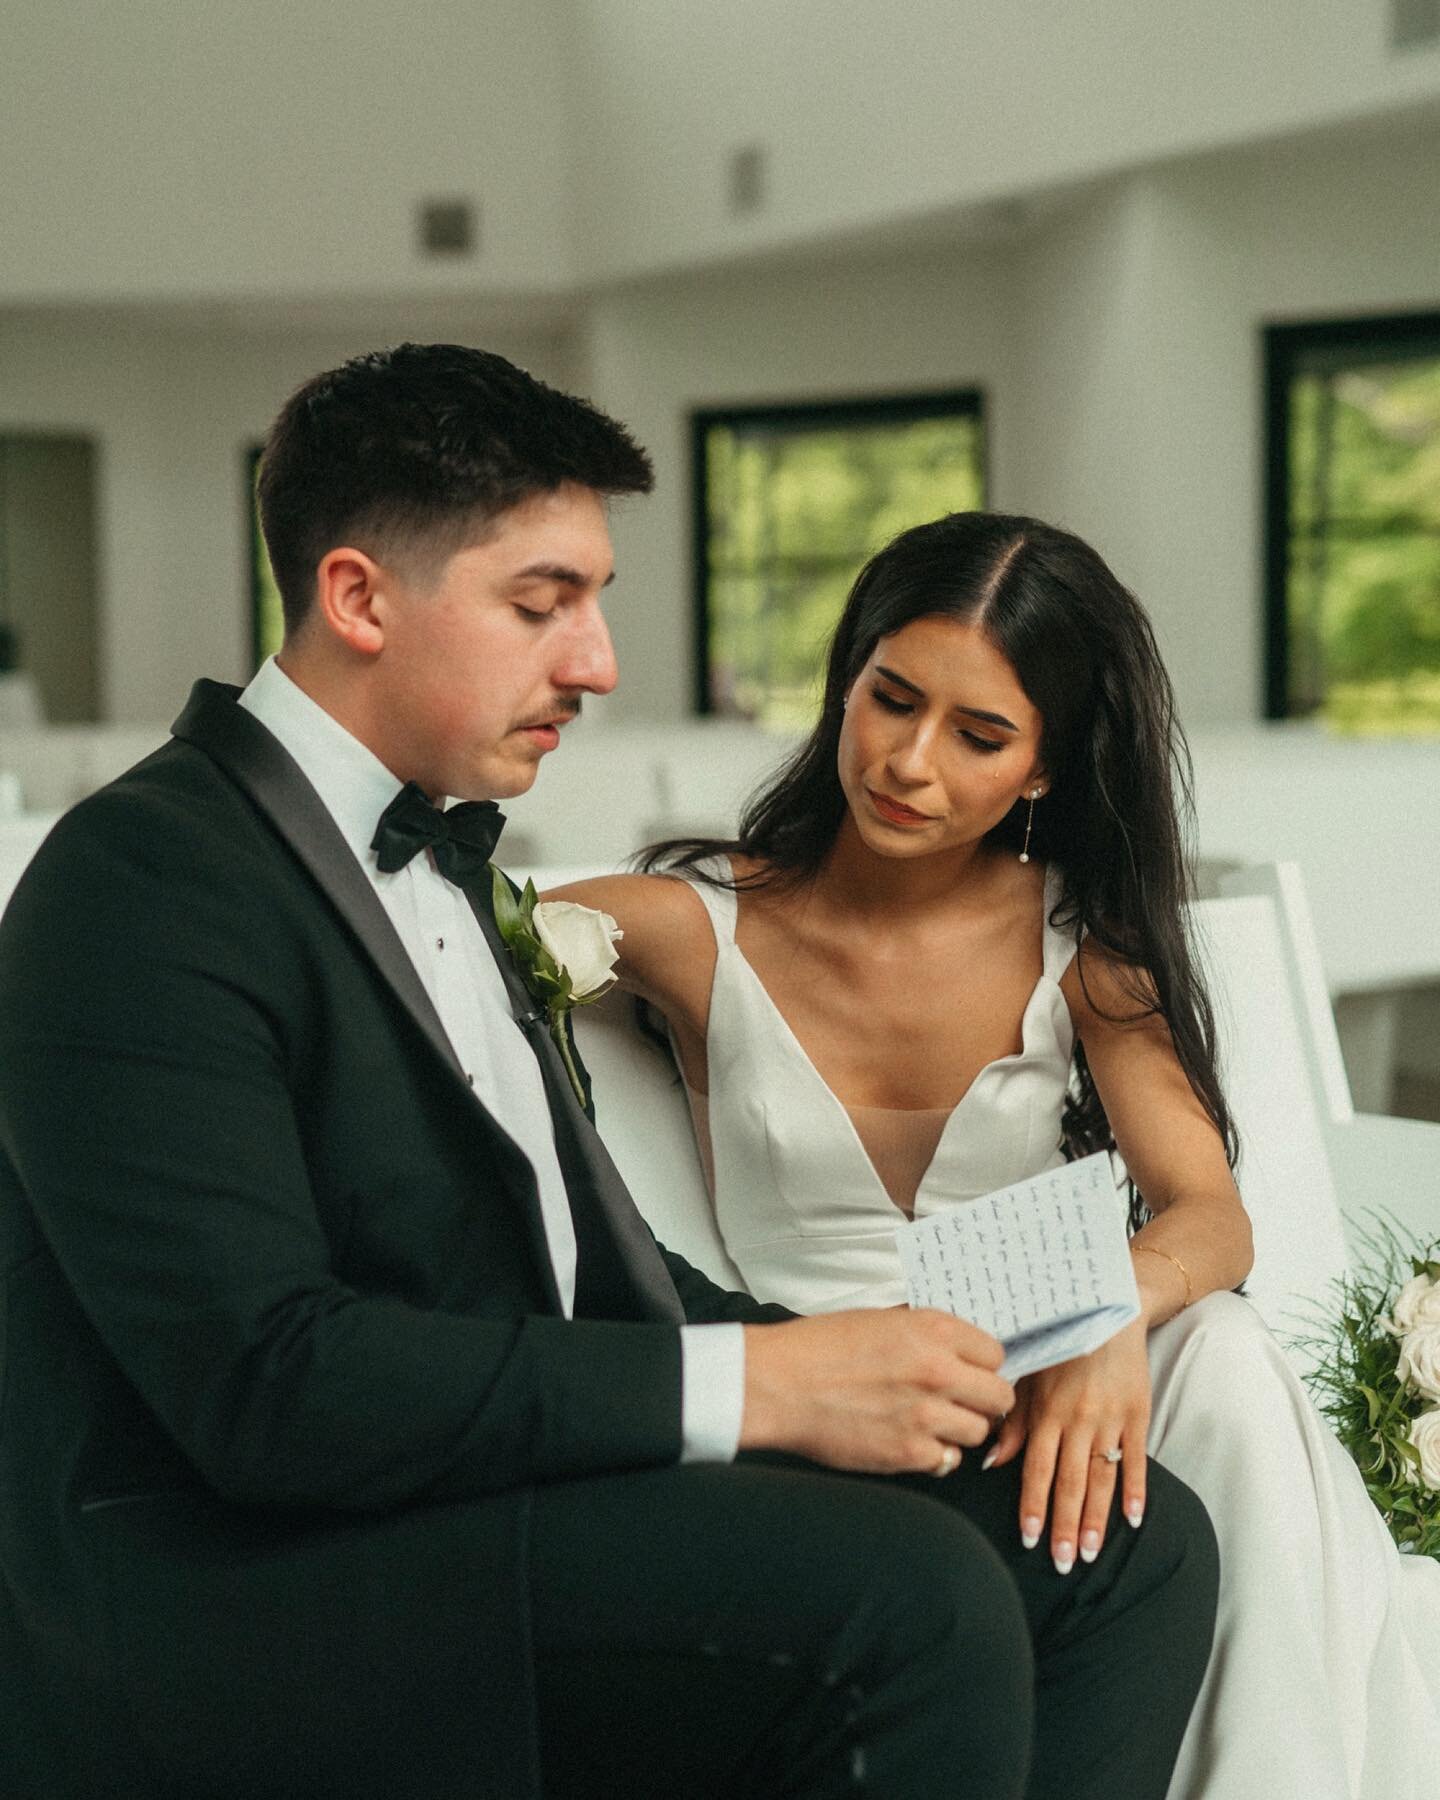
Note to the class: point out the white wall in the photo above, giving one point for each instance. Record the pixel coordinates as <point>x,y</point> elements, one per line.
<point>162,149</point>
<point>159,148</point>
<point>654,352</point>
<point>1118,339</point>
<point>1141,418</point>
<point>174,411</point>
<point>872,112</point>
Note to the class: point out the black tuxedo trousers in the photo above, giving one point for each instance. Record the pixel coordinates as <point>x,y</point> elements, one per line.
<point>306,1487</point>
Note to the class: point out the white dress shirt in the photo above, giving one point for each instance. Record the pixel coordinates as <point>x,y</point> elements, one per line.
<point>453,960</point>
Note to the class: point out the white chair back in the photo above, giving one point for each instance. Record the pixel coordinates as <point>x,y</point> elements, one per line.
<point>644,1117</point>
<point>1266,1074</point>
<point>20,837</point>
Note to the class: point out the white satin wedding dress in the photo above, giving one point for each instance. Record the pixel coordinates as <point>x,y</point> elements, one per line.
<point>1324,1682</point>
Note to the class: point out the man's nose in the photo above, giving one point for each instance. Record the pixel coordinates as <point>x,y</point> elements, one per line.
<point>589,664</point>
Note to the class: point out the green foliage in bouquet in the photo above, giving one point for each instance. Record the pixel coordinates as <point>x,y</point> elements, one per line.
<point>1365,1382</point>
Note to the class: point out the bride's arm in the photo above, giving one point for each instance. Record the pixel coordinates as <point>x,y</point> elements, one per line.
<point>1069,1418</point>
<point>1199,1239</point>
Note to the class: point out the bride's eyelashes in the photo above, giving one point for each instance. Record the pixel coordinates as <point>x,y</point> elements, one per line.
<point>890,704</point>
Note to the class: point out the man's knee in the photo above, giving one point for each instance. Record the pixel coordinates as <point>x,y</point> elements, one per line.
<point>939,1619</point>
<point>931,1590</point>
<point>1178,1540</point>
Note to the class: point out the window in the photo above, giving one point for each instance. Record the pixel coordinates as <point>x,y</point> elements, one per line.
<point>789,503</point>
<point>1353,523</point>
<point>267,624</point>
<point>49,578</point>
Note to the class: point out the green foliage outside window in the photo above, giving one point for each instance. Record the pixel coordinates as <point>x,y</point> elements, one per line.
<point>791,503</point>
<point>1362,557</point>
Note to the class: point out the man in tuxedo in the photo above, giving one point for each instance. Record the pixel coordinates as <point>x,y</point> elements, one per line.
<point>357,1438</point>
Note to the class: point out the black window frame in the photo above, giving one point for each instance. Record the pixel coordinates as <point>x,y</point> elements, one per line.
<point>1284,347</point>
<point>827,414</point>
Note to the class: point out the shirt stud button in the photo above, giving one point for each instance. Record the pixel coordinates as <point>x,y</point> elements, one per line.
<point>439,943</point>
<point>470,1078</point>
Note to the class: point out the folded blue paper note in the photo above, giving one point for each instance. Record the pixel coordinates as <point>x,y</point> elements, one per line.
<point>1044,1265</point>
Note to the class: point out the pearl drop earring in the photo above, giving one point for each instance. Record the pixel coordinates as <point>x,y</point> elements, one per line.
<point>1029,821</point>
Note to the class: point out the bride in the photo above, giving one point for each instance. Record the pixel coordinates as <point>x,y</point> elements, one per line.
<point>947,952</point>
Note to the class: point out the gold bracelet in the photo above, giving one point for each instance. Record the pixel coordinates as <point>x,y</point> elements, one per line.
<point>1184,1272</point>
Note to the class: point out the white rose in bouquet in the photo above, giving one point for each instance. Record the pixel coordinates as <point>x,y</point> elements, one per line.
<point>1418,1365</point>
<point>1417,1303</point>
<point>1425,1436</point>
<point>582,940</point>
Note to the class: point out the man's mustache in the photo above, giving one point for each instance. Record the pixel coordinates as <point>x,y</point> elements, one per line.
<point>561,714</point>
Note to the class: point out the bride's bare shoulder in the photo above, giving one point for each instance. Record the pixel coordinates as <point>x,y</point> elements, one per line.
<point>666,930</point>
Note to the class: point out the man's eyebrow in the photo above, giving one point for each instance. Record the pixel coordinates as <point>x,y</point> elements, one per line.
<point>561,572</point>
<point>971,712</point>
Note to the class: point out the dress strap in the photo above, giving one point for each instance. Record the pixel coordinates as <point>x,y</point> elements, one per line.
<point>719,902</point>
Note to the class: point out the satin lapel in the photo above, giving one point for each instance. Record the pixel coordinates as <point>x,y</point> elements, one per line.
<point>628,1232</point>
<point>258,763</point>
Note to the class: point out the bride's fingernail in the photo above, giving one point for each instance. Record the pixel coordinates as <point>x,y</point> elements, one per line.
<point>1135,1512</point>
<point>1089,1546</point>
<point>1030,1533</point>
<point>1064,1558</point>
<point>989,1462</point>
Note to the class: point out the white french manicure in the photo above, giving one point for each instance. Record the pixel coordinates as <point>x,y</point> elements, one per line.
<point>990,1455</point>
<point>1135,1512</point>
<point>1064,1558</point>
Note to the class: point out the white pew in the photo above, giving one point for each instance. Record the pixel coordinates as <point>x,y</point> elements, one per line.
<point>1308,1180</point>
<point>20,837</point>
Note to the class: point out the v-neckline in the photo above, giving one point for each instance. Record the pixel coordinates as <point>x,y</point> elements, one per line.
<point>808,1062</point>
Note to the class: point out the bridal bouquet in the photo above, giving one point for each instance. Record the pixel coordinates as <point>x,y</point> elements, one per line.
<point>1377,1380</point>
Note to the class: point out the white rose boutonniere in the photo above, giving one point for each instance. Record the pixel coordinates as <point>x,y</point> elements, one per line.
<point>582,941</point>
<point>565,954</point>
<point>1418,1365</point>
<point>1417,1303</point>
<point>1425,1436</point>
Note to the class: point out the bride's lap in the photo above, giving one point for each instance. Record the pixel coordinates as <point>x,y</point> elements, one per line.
<point>1232,1418</point>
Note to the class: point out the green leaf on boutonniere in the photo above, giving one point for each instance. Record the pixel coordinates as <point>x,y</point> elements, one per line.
<point>547,981</point>
<point>508,914</point>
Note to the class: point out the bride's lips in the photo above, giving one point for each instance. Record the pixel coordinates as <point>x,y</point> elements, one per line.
<point>895,811</point>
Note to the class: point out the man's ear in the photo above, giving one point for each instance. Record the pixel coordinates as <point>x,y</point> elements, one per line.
<point>349,599</point>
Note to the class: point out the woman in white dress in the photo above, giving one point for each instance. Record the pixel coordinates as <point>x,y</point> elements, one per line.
<point>947,951</point>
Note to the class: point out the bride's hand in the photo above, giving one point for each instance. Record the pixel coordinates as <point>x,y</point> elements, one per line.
<point>1067,1417</point>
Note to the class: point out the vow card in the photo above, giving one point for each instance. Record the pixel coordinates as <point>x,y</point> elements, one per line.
<point>1043,1265</point>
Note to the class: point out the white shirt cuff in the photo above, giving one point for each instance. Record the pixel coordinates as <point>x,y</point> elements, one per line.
<point>712,1390</point>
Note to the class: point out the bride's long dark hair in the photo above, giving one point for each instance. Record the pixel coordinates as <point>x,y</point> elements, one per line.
<point>1118,817</point>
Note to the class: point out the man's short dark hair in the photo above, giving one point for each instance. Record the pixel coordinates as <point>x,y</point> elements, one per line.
<point>411,453</point>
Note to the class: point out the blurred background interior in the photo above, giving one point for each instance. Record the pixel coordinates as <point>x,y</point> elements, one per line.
<point>1169,277</point>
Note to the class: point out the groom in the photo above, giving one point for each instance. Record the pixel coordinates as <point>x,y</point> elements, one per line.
<point>356,1436</point>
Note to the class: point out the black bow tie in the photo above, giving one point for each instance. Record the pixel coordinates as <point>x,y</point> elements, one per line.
<point>463,838</point>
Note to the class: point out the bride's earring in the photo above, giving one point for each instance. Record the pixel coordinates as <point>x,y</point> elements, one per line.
<point>1029,821</point>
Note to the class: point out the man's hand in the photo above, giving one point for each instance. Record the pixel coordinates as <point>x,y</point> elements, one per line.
<point>884,1392</point>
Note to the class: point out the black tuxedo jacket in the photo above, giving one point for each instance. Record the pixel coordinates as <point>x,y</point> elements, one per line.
<point>282,1350</point>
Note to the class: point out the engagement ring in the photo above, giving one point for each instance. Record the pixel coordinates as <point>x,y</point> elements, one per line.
<point>1110,1456</point>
